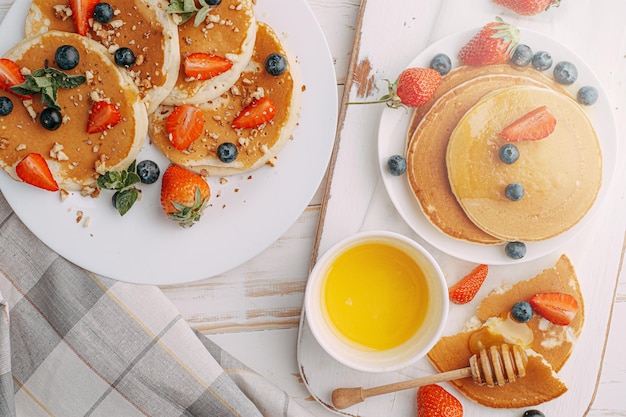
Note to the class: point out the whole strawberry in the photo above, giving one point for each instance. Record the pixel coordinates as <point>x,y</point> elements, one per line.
<point>184,195</point>
<point>414,87</point>
<point>435,401</point>
<point>493,44</point>
<point>528,7</point>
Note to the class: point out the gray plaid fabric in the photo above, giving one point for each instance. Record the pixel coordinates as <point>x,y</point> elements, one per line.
<point>76,344</point>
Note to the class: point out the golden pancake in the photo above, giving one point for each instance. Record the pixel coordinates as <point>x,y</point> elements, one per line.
<point>426,155</point>
<point>141,25</point>
<point>74,156</point>
<point>465,73</point>
<point>228,31</point>
<point>548,350</point>
<point>255,146</point>
<point>561,174</point>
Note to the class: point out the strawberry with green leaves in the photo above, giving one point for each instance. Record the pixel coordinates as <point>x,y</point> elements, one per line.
<point>466,288</point>
<point>34,170</point>
<point>434,401</point>
<point>82,11</point>
<point>556,307</point>
<point>534,125</point>
<point>184,125</point>
<point>184,195</point>
<point>103,116</point>
<point>203,66</point>
<point>493,44</point>
<point>413,88</point>
<point>258,112</point>
<point>528,7</point>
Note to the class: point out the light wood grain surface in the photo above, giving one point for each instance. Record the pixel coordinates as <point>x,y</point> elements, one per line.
<point>254,309</point>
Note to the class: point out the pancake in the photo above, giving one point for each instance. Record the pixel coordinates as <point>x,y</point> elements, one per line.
<point>256,146</point>
<point>141,25</point>
<point>74,156</point>
<point>548,351</point>
<point>465,73</point>
<point>426,154</point>
<point>561,174</point>
<point>228,31</point>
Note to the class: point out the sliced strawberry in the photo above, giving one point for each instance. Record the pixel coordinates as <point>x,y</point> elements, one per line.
<point>255,114</point>
<point>534,125</point>
<point>434,401</point>
<point>34,170</point>
<point>82,11</point>
<point>466,288</point>
<point>556,307</point>
<point>184,125</point>
<point>202,66</point>
<point>103,116</point>
<point>10,75</point>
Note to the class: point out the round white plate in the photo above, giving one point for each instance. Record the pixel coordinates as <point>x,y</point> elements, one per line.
<point>247,213</point>
<point>392,140</point>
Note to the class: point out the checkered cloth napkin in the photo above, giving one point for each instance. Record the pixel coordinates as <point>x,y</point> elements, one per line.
<point>76,344</point>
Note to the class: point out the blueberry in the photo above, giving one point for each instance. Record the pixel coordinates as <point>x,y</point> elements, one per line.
<point>441,63</point>
<point>587,95</point>
<point>125,57</point>
<point>227,152</point>
<point>521,56</point>
<point>515,250</point>
<point>508,153</point>
<point>565,73</point>
<point>213,2</point>
<point>148,171</point>
<point>514,191</point>
<point>50,118</point>
<point>66,57</point>
<point>533,413</point>
<point>521,311</point>
<point>396,165</point>
<point>275,64</point>
<point>6,106</point>
<point>103,12</point>
<point>542,61</point>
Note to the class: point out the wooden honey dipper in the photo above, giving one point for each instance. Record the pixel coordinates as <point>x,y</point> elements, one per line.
<point>495,365</point>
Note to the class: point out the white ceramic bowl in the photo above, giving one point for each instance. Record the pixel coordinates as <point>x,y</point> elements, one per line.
<point>360,357</point>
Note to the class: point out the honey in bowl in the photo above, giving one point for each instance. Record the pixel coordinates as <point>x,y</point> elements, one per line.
<point>375,295</point>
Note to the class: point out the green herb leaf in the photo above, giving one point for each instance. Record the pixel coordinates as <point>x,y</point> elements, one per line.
<point>125,200</point>
<point>186,9</point>
<point>47,81</point>
<point>118,180</point>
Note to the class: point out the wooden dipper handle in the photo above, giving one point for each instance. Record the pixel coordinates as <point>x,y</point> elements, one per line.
<point>494,366</point>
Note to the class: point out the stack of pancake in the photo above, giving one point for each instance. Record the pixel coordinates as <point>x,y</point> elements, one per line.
<point>548,347</point>
<point>457,177</point>
<point>148,90</point>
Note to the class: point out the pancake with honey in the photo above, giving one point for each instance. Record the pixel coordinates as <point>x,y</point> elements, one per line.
<point>255,146</point>
<point>548,345</point>
<point>426,154</point>
<point>222,43</point>
<point>561,174</point>
<point>74,156</point>
<point>141,25</point>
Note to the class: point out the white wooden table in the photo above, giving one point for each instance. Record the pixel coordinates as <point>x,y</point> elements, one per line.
<point>254,310</point>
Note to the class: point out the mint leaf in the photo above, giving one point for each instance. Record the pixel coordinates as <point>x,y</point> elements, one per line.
<point>186,9</point>
<point>121,182</point>
<point>47,81</point>
<point>125,199</point>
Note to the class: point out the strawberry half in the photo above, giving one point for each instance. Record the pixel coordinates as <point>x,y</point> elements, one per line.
<point>493,44</point>
<point>528,7</point>
<point>184,195</point>
<point>255,114</point>
<point>534,125</point>
<point>184,125</point>
<point>82,11</point>
<point>556,307</point>
<point>10,75</point>
<point>202,66</point>
<point>466,288</point>
<point>103,116</point>
<point>434,401</point>
<point>34,170</point>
